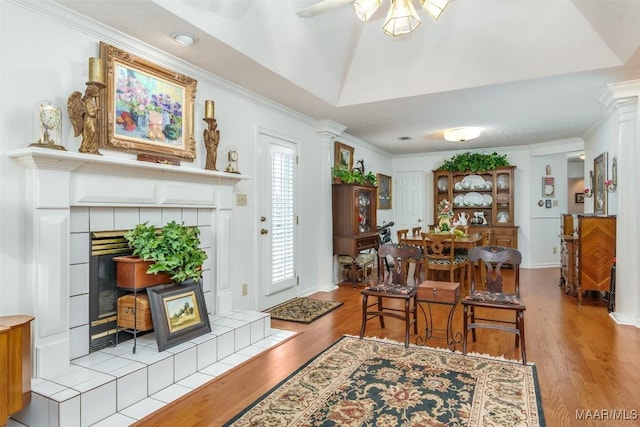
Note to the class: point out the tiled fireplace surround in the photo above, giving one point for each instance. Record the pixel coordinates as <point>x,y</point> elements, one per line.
<point>68,195</point>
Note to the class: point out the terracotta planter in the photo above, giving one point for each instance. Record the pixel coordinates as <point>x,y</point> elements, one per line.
<point>131,273</point>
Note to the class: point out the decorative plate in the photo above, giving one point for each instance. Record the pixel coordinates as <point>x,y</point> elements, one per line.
<point>443,183</point>
<point>502,198</point>
<point>486,199</point>
<point>459,200</point>
<point>473,199</point>
<point>472,182</point>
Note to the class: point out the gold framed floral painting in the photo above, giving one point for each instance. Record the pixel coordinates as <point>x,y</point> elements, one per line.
<point>146,108</point>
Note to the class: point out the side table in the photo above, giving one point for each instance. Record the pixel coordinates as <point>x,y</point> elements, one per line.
<point>436,292</point>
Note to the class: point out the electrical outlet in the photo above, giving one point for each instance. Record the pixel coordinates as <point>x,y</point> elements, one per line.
<point>241,199</point>
<point>555,249</point>
<point>245,289</point>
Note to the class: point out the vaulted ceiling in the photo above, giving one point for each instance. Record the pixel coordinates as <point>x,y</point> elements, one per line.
<point>525,71</point>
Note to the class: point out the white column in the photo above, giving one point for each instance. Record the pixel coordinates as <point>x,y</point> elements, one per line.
<point>222,226</point>
<point>624,97</point>
<point>328,131</point>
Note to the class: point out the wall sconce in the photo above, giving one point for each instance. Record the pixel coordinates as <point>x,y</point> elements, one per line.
<point>587,190</point>
<point>611,184</point>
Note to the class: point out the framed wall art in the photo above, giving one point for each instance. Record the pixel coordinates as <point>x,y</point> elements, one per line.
<point>599,190</point>
<point>343,155</point>
<point>178,312</point>
<point>146,108</point>
<point>579,197</point>
<point>384,191</point>
<point>548,186</point>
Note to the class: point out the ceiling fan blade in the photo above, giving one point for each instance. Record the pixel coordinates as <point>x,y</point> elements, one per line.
<point>321,7</point>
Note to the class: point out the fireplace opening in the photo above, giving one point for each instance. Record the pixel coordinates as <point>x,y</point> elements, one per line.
<point>103,292</point>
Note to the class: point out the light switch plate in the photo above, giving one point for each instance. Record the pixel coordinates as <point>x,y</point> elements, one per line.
<point>241,199</point>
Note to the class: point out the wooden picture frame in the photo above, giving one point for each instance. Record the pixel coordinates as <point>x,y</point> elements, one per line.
<point>179,313</point>
<point>384,191</point>
<point>599,190</point>
<point>343,155</point>
<point>147,108</point>
<point>579,197</point>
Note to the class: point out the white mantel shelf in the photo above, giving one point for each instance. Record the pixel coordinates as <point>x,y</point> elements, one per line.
<point>35,157</point>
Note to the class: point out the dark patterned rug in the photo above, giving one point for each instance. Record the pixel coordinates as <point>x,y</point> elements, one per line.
<point>303,310</point>
<point>370,382</point>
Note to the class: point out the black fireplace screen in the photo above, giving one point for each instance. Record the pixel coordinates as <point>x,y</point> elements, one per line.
<point>103,293</point>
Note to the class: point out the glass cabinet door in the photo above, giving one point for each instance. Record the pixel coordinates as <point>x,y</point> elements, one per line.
<point>365,211</point>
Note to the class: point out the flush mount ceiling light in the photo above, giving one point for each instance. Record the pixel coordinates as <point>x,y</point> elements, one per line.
<point>461,134</point>
<point>184,39</point>
<point>402,17</point>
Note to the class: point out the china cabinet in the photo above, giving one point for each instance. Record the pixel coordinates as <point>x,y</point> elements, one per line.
<point>354,219</point>
<point>485,198</point>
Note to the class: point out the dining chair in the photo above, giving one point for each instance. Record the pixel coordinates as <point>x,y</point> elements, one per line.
<point>440,255</point>
<point>494,297</point>
<point>402,235</point>
<point>391,288</point>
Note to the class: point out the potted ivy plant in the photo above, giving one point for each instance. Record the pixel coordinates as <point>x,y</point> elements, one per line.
<point>173,250</point>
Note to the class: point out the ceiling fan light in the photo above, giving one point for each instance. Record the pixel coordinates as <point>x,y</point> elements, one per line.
<point>366,8</point>
<point>434,7</point>
<point>401,19</point>
<point>462,134</point>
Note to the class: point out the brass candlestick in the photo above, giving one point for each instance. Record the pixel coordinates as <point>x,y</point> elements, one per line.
<point>211,141</point>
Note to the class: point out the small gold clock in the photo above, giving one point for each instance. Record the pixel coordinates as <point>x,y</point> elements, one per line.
<point>50,117</point>
<point>232,158</point>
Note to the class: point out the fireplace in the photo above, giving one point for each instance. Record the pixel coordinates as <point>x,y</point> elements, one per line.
<point>102,193</point>
<point>103,292</point>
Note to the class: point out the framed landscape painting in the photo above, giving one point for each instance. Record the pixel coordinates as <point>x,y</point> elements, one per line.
<point>384,191</point>
<point>146,108</point>
<point>178,312</point>
<point>343,155</point>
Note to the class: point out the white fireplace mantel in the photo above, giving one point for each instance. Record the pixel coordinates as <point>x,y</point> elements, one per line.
<point>57,180</point>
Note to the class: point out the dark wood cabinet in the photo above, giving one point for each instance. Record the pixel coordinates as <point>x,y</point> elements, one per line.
<point>489,194</point>
<point>354,219</point>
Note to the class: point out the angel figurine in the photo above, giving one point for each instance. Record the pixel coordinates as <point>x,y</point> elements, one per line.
<point>211,141</point>
<point>83,112</point>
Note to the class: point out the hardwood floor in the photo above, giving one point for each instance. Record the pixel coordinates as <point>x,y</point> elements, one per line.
<point>585,361</point>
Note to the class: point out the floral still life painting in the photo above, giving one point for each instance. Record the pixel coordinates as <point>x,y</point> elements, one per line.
<point>148,109</point>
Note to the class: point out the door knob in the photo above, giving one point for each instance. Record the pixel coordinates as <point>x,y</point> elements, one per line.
<point>263,231</point>
<point>262,219</point>
<point>419,220</point>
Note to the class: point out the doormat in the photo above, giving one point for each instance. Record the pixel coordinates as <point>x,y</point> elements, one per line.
<point>366,382</point>
<point>303,310</point>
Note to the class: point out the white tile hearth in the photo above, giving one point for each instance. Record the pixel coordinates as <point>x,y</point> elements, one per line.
<point>115,387</point>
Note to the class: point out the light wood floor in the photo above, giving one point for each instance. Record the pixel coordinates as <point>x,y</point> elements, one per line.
<point>585,362</point>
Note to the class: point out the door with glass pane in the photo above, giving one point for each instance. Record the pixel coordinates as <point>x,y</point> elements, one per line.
<point>277,263</point>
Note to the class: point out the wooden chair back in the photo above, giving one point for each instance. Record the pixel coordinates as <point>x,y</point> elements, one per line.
<point>416,231</point>
<point>402,234</point>
<point>439,254</point>
<point>403,256</point>
<point>493,258</point>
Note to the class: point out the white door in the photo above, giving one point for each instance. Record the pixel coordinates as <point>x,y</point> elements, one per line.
<point>408,200</point>
<point>277,222</point>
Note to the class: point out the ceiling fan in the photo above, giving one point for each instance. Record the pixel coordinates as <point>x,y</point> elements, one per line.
<point>401,18</point>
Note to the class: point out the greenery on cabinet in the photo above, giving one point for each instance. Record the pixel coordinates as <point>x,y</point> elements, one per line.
<point>355,176</point>
<point>174,249</point>
<point>474,162</point>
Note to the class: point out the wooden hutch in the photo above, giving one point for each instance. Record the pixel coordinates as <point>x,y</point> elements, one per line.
<point>489,194</point>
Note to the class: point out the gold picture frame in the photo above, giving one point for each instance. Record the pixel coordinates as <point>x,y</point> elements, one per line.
<point>384,191</point>
<point>147,109</point>
<point>179,313</point>
<point>599,190</point>
<point>343,155</point>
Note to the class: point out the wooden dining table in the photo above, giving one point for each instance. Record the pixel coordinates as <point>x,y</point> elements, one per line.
<point>466,242</point>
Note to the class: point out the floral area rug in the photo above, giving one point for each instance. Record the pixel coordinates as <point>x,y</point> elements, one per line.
<point>303,310</point>
<point>370,382</point>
